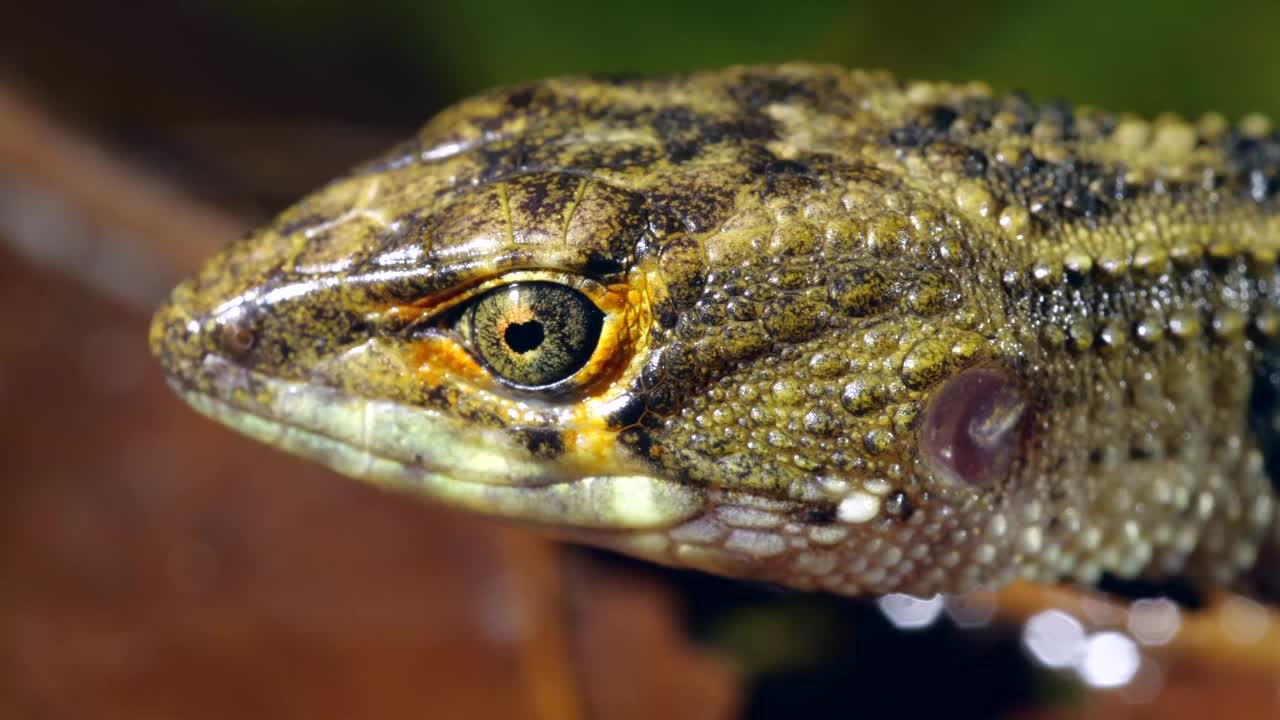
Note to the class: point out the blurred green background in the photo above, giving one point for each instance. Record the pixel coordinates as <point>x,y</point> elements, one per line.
<point>250,103</point>
<point>1183,55</point>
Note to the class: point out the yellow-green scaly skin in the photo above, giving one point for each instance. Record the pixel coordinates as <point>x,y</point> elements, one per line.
<point>793,262</point>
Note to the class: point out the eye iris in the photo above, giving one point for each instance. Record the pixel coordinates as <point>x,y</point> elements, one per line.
<point>534,334</point>
<point>973,426</point>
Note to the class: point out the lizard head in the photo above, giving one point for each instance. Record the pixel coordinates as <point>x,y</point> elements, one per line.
<point>706,320</point>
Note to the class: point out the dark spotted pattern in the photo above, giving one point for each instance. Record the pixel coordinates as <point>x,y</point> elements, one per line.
<point>545,443</point>
<point>1074,187</point>
<point>1264,412</point>
<point>792,262</point>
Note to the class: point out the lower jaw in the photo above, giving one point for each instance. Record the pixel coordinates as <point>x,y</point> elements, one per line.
<point>468,469</point>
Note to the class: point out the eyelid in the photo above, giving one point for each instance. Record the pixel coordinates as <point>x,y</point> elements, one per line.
<point>425,314</point>
<point>432,311</point>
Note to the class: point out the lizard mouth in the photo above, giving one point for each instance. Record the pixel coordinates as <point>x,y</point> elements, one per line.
<point>426,452</point>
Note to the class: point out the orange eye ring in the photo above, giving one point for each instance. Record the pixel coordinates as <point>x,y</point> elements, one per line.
<point>497,333</point>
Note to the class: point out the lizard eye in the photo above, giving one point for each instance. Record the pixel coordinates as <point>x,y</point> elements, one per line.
<point>973,426</point>
<point>532,335</point>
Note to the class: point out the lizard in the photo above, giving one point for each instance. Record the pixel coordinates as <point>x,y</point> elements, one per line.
<point>798,324</point>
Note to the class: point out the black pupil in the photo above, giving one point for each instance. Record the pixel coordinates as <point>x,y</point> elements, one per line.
<point>525,336</point>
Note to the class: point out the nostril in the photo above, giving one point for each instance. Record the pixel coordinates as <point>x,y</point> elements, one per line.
<point>236,338</point>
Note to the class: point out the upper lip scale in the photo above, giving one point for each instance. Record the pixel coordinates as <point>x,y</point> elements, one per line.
<point>180,386</point>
